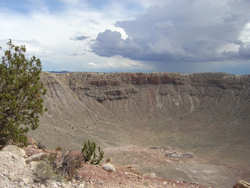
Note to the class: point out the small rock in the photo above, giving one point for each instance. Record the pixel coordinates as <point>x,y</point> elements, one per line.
<point>27,180</point>
<point>36,157</point>
<point>187,155</point>
<point>41,146</point>
<point>178,155</point>
<point>15,150</point>
<point>155,147</point>
<point>109,167</point>
<point>82,185</point>
<point>33,165</point>
<point>32,150</point>
<point>242,184</point>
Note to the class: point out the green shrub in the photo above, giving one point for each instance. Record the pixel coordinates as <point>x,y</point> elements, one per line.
<point>64,165</point>
<point>44,171</point>
<point>21,95</point>
<point>89,153</point>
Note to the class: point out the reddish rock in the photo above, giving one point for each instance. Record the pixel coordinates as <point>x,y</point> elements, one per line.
<point>32,150</point>
<point>242,184</point>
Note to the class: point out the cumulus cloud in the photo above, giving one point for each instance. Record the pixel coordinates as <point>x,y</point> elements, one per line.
<point>48,35</point>
<point>137,35</point>
<point>119,64</point>
<point>181,31</point>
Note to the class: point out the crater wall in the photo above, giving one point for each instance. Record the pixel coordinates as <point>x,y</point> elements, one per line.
<point>207,113</point>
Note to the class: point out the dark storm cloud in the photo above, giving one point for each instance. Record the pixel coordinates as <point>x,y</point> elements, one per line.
<point>180,31</point>
<point>244,51</point>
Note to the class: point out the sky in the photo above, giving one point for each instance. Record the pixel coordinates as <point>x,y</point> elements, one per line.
<point>131,35</point>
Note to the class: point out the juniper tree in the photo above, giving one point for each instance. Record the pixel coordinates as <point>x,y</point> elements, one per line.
<point>21,92</point>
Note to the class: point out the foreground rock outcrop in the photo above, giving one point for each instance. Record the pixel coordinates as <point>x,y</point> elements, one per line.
<point>17,170</point>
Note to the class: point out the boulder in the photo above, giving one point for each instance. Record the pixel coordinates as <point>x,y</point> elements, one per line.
<point>36,157</point>
<point>15,150</point>
<point>109,167</point>
<point>13,170</point>
<point>16,173</point>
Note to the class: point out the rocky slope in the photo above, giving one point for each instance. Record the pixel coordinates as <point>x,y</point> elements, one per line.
<point>205,114</point>
<point>30,168</point>
<point>17,172</point>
